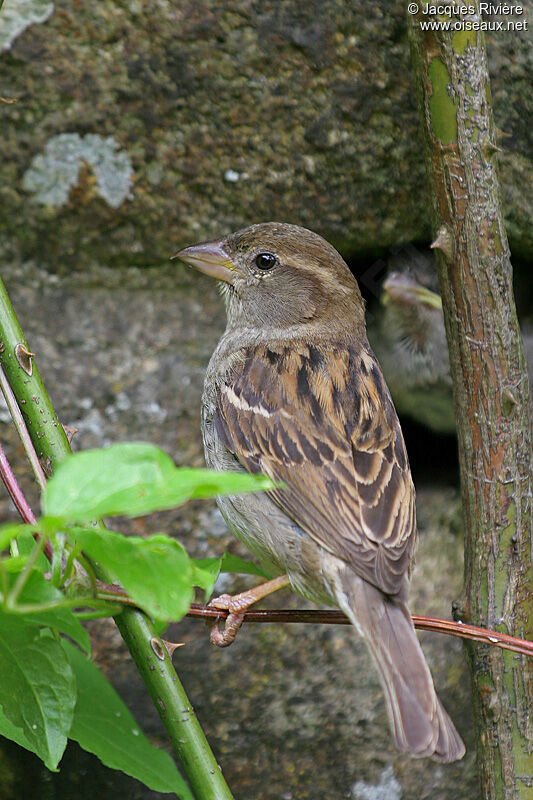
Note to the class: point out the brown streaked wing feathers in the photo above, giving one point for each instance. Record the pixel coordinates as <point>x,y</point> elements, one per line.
<point>328,430</point>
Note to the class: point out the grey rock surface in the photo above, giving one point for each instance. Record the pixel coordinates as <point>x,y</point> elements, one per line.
<point>293,712</point>
<point>233,113</point>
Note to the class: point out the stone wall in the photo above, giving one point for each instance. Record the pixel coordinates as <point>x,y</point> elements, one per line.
<point>141,127</point>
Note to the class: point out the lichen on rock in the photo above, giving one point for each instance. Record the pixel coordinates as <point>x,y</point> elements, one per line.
<point>17,15</point>
<point>53,174</point>
<point>388,788</point>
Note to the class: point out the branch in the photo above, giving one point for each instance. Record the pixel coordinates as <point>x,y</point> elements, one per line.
<point>336,617</point>
<point>14,490</point>
<point>490,382</point>
<point>18,497</point>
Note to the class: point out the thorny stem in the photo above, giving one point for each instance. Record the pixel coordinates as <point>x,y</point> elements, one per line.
<point>32,400</point>
<point>490,382</point>
<point>155,666</point>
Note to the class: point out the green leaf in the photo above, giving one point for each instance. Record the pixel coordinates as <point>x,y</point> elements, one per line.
<point>232,563</point>
<point>38,590</point>
<point>37,687</point>
<point>133,479</point>
<point>205,571</point>
<point>25,545</point>
<point>11,731</point>
<point>15,564</point>
<point>155,572</point>
<point>14,531</point>
<point>104,726</point>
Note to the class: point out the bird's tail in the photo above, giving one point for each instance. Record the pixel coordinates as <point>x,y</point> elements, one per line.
<point>418,720</point>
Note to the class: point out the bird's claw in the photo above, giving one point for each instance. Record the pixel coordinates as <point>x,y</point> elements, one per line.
<point>226,636</point>
<point>233,603</point>
<point>236,605</point>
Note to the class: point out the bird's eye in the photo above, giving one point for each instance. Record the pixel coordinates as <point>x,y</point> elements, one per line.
<point>265,261</point>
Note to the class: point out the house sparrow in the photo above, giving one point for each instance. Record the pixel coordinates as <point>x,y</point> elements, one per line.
<point>409,338</point>
<point>294,391</point>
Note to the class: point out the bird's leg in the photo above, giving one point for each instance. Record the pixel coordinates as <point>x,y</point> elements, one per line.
<point>237,605</point>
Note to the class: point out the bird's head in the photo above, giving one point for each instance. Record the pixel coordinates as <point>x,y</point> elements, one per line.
<point>279,275</point>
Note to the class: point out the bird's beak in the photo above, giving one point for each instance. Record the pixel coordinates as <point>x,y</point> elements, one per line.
<point>404,289</point>
<point>210,258</point>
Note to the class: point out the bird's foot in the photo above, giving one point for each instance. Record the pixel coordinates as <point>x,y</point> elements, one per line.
<point>237,605</point>
<point>226,636</point>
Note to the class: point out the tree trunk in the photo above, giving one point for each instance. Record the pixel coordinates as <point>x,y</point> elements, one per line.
<point>491,390</point>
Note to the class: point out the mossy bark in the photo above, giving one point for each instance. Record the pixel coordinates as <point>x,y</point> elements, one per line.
<point>491,391</point>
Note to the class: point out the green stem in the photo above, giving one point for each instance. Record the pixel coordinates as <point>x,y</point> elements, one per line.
<point>155,665</point>
<point>69,568</point>
<point>22,430</point>
<point>46,432</point>
<point>51,444</point>
<point>38,547</point>
<point>75,602</point>
<point>4,582</point>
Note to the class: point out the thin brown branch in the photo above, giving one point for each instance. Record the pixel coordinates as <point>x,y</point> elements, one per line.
<point>335,617</point>
<point>14,490</point>
<point>421,622</point>
<point>19,499</point>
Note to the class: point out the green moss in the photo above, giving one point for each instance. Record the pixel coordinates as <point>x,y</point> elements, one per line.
<point>497,772</point>
<point>508,405</point>
<point>501,577</point>
<point>523,761</point>
<point>462,39</point>
<point>442,108</point>
<point>484,591</point>
<point>497,242</point>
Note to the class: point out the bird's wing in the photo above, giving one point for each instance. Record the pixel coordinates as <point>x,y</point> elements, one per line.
<point>322,421</point>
